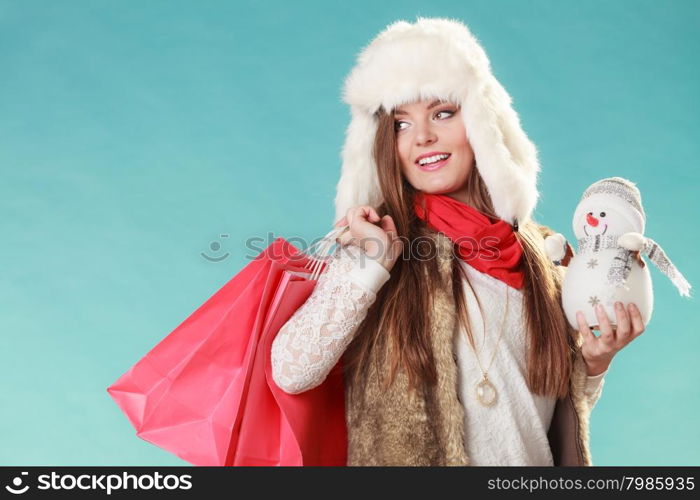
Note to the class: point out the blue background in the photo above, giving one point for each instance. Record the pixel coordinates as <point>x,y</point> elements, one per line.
<point>133,135</point>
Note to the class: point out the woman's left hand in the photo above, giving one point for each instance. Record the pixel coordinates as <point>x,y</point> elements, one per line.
<point>599,351</point>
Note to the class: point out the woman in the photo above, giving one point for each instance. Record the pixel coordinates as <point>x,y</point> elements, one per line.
<point>437,190</point>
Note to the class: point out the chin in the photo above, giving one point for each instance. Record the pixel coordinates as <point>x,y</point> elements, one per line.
<point>440,187</point>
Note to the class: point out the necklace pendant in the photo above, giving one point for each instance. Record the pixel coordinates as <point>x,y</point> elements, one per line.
<point>486,392</point>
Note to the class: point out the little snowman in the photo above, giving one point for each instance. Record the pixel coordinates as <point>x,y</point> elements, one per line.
<point>609,225</point>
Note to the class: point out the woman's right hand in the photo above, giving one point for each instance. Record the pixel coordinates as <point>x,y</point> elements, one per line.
<point>377,236</point>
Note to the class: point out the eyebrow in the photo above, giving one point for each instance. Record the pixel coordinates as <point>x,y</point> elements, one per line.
<point>436,102</point>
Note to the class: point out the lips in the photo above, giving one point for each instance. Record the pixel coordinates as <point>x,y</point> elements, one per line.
<point>433,166</point>
<point>431,153</point>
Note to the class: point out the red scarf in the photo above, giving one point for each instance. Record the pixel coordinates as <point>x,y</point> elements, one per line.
<point>488,245</point>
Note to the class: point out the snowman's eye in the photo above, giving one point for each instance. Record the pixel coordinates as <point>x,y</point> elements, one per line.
<point>590,213</point>
<point>602,214</point>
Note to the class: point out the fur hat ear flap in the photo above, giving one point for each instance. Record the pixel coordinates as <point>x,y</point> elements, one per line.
<point>506,159</point>
<point>359,183</point>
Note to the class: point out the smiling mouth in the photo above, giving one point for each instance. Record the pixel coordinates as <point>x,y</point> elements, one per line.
<point>584,230</point>
<point>437,163</point>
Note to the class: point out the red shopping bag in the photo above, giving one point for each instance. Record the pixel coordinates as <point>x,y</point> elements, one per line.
<point>282,429</point>
<point>189,393</point>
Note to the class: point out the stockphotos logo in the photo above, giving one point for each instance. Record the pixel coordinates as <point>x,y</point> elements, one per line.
<point>109,483</point>
<point>16,486</point>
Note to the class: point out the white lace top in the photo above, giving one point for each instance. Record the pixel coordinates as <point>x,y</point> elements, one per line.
<point>511,432</point>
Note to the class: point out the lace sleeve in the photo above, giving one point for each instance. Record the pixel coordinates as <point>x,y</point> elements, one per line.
<point>310,343</point>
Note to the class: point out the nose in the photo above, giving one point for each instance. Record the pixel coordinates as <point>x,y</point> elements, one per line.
<point>425,135</point>
<point>591,220</point>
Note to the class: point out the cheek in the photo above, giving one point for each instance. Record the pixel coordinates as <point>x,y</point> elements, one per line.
<point>462,145</point>
<point>402,147</point>
<point>457,137</point>
<point>410,174</point>
<point>404,152</point>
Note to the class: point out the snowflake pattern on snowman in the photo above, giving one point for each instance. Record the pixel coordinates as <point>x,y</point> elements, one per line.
<point>609,224</point>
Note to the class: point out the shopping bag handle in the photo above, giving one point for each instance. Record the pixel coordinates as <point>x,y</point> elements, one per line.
<point>318,252</point>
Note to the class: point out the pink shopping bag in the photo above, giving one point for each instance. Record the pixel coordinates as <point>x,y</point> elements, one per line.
<point>189,394</point>
<point>298,429</point>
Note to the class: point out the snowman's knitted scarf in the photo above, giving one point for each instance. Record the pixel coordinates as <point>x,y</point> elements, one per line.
<point>622,262</point>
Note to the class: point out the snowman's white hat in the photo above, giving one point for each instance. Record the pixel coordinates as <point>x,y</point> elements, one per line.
<point>436,58</point>
<point>618,193</point>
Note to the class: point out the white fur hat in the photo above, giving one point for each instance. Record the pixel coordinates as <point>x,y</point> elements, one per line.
<point>436,58</point>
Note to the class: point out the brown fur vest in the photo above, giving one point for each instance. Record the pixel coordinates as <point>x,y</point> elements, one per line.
<point>398,427</point>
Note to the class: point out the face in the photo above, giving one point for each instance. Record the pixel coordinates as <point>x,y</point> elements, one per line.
<point>598,218</point>
<point>433,147</point>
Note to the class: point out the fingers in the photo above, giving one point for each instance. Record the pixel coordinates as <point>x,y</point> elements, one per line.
<point>353,216</point>
<point>350,215</point>
<point>344,238</point>
<point>368,213</point>
<point>607,334</point>
<point>637,322</point>
<point>373,215</point>
<point>629,323</point>
<point>396,244</point>
<point>584,328</point>
<point>363,212</point>
<point>387,224</point>
<point>623,323</point>
<point>388,227</point>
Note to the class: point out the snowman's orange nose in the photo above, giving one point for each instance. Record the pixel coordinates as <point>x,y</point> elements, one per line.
<point>591,220</point>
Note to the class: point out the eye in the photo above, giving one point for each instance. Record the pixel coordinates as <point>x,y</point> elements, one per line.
<point>602,214</point>
<point>397,125</point>
<point>590,213</point>
<point>449,112</point>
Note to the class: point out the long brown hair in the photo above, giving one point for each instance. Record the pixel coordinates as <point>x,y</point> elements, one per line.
<point>401,312</point>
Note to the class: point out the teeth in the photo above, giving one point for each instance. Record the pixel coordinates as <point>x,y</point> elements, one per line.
<point>432,159</point>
